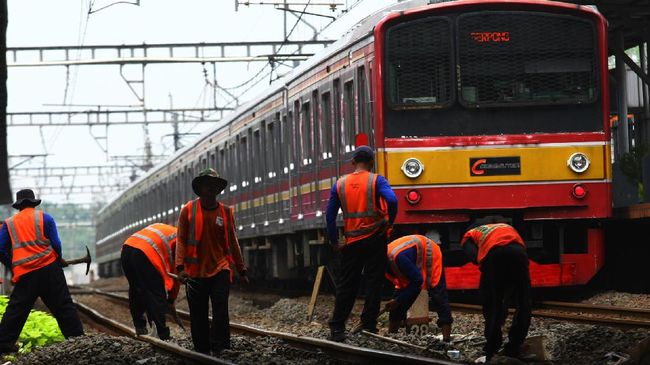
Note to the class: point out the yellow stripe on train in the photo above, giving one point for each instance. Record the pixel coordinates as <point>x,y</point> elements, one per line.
<point>539,163</point>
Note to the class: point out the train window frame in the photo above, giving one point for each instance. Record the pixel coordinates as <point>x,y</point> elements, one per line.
<point>305,131</point>
<point>475,106</point>
<point>315,125</point>
<point>337,103</point>
<point>452,67</point>
<point>326,125</point>
<point>270,149</point>
<point>349,115</point>
<point>363,124</point>
<point>286,142</point>
<point>257,160</point>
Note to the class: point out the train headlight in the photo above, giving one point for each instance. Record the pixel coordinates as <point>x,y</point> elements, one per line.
<point>578,162</point>
<point>412,168</point>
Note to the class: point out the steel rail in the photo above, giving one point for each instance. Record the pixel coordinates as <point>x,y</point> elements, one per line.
<point>577,314</point>
<point>596,309</point>
<point>333,349</point>
<point>165,346</point>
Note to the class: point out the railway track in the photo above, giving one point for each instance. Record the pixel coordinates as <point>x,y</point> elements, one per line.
<point>581,313</point>
<point>339,351</point>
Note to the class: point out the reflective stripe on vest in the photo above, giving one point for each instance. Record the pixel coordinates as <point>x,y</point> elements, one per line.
<point>363,218</point>
<point>31,250</point>
<point>424,261</point>
<point>165,239</point>
<point>191,251</point>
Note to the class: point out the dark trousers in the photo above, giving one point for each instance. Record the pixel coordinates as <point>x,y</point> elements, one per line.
<point>367,255</point>
<point>504,275</point>
<point>146,290</point>
<point>200,291</point>
<point>49,284</point>
<point>437,297</point>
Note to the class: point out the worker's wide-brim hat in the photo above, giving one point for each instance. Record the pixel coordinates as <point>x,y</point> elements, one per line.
<point>208,176</point>
<point>25,197</point>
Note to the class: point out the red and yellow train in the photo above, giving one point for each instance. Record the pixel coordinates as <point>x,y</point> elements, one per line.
<point>475,108</point>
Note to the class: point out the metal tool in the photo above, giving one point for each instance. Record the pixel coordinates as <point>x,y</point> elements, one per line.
<point>177,319</point>
<point>87,260</point>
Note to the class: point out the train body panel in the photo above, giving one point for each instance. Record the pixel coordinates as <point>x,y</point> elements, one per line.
<point>418,80</point>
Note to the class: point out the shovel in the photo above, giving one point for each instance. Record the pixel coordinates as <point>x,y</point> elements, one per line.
<point>87,260</point>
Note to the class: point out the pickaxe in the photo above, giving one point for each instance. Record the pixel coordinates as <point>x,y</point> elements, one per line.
<point>87,260</point>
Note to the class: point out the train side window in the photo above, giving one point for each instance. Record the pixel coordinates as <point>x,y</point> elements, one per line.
<point>338,120</point>
<point>232,164</point>
<point>270,150</point>
<point>349,116</point>
<point>362,95</point>
<point>315,122</point>
<point>305,133</point>
<point>326,126</point>
<point>243,161</point>
<point>257,160</point>
<point>286,143</point>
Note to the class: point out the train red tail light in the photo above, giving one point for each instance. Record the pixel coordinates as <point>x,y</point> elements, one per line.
<point>579,191</point>
<point>413,197</point>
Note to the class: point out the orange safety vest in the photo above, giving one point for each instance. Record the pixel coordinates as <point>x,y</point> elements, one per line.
<point>30,249</point>
<point>195,217</point>
<point>488,236</point>
<point>157,242</point>
<point>429,261</point>
<point>362,217</point>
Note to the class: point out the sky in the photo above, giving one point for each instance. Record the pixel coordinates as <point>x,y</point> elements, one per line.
<point>59,23</point>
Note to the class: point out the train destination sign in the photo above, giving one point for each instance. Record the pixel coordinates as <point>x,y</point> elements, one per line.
<point>490,37</point>
<point>490,166</point>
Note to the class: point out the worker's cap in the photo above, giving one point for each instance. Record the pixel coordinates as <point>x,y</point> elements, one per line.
<point>363,153</point>
<point>208,176</point>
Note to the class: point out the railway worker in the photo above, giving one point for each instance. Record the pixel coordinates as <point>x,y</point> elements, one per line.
<point>207,246</point>
<point>501,254</point>
<point>365,199</point>
<point>147,259</point>
<point>30,246</point>
<point>415,263</point>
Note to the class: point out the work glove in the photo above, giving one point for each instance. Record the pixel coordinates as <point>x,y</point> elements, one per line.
<point>183,277</point>
<point>338,247</point>
<point>64,263</point>
<point>391,305</point>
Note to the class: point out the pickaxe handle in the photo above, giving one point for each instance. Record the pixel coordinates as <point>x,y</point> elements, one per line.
<point>87,260</point>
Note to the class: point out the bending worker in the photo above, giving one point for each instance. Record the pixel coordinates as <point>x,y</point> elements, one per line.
<point>147,260</point>
<point>30,246</point>
<point>207,245</point>
<point>501,254</point>
<point>361,196</point>
<point>415,263</point>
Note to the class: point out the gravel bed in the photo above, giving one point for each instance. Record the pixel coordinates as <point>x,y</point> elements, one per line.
<point>619,299</point>
<point>564,342</point>
<point>244,349</point>
<point>97,348</point>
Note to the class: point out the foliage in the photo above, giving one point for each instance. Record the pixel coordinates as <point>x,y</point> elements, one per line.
<point>40,329</point>
<point>632,167</point>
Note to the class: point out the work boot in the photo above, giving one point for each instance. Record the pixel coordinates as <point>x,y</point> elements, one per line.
<point>337,335</point>
<point>163,334</point>
<point>7,350</point>
<point>141,331</point>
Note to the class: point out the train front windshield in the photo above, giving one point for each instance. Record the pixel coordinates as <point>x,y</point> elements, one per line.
<point>492,72</point>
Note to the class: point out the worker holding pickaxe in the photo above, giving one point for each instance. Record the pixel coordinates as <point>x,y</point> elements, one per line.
<point>147,261</point>
<point>30,246</point>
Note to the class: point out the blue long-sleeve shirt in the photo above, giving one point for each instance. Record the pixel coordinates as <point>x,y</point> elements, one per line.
<point>49,229</point>
<point>382,188</point>
<point>406,263</point>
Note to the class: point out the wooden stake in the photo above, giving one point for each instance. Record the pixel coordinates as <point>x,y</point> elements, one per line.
<point>314,293</point>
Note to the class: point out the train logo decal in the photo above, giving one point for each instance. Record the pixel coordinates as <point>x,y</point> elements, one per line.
<point>490,166</point>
